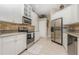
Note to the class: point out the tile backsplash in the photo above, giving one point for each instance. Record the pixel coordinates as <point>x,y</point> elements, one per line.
<point>7,27</point>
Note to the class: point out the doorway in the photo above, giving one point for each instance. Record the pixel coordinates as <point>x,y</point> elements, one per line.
<point>43,27</point>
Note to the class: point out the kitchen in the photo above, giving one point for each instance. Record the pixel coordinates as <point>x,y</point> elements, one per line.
<point>27,27</point>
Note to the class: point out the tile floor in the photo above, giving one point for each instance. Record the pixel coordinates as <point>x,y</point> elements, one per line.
<point>45,47</point>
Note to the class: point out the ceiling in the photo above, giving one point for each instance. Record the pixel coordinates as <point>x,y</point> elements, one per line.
<point>44,9</point>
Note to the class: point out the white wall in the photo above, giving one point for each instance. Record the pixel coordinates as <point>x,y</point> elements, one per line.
<point>69,14</point>
<point>35,22</point>
<point>43,27</point>
<point>11,12</point>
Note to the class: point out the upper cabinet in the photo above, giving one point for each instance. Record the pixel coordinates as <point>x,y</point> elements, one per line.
<point>27,17</point>
<point>69,14</point>
<point>27,10</point>
<point>35,21</point>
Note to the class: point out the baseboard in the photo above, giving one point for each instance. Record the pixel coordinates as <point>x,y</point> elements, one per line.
<point>65,48</point>
<point>28,47</point>
<point>37,40</point>
<point>22,51</point>
<point>43,37</point>
<point>56,42</point>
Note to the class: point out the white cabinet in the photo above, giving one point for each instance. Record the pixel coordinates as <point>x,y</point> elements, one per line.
<point>27,10</point>
<point>78,46</point>
<point>69,14</point>
<point>20,43</point>
<point>65,41</point>
<point>35,22</point>
<point>14,44</point>
<point>72,14</point>
<point>37,36</point>
<point>0,46</point>
<point>9,45</point>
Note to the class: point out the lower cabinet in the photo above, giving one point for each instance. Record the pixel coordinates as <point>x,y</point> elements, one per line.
<point>0,46</point>
<point>9,45</point>
<point>65,41</point>
<point>20,43</point>
<point>37,36</point>
<point>13,45</point>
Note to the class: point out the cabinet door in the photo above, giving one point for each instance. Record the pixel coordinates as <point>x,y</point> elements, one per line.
<point>24,42</point>
<point>0,46</point>
<point>20,43</point>
<point>36,36</point>
<point>27,10</point>
<point>9,45</point>
<point>65,40</point>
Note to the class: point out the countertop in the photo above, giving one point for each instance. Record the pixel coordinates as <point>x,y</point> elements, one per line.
<point>76,34</point>
<point>12,34</point>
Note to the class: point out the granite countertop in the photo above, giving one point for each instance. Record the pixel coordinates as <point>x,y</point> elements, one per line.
<point>76,34</point>
<point>11,34</point>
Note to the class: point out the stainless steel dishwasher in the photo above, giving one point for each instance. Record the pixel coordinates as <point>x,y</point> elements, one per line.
<point>72,45</point>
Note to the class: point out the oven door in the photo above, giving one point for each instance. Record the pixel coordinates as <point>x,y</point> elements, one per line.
<point>30,38</point>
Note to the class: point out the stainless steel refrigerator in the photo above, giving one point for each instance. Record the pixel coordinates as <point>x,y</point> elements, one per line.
<point>57,31</point>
